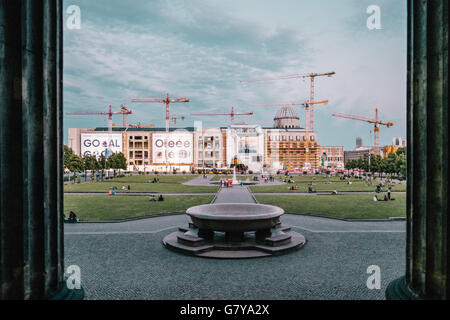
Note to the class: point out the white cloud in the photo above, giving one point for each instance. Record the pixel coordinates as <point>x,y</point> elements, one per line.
<point>197,50</point>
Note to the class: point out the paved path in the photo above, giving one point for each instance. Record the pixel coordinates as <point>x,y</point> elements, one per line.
<point>200,181</point>
<point>128,261</point>
<point>235,194</point>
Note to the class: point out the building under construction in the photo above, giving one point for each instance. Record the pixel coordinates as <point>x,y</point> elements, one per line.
<point>285,145</point>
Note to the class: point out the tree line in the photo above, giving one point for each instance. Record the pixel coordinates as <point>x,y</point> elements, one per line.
<point>393,164</point>
<point>74,163</point>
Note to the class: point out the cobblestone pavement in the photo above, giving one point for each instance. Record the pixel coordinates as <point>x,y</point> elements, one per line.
<point>128,261</point>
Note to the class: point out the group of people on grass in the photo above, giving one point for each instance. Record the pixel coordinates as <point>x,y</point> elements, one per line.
<point>268,178</point>
<point>387,196</point>
<point>72,218</point>
<point>153,198</point>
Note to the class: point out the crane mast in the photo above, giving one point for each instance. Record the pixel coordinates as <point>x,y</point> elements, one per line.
<point>312,76</point>
<point>167,101</point>
<point>124,112</point>
<point>376,122</point>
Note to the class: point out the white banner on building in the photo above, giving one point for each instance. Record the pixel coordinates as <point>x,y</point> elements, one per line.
<point>96,144</point>
<point>173,148</point>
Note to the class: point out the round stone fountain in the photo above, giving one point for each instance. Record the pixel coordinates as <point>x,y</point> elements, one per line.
<point>234,231</point>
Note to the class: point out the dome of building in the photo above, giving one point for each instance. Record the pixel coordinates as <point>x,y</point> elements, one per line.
<point>286,112</point>
<point>287,118</point>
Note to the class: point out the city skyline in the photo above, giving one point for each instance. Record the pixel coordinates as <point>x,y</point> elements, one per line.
<point>201,50</point>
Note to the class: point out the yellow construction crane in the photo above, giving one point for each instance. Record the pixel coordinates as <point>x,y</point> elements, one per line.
<point>377,123</point>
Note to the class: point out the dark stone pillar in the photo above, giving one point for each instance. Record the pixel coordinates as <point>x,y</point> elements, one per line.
<point>427,257</point>
<point>11,179</point>
<point>31,194</point>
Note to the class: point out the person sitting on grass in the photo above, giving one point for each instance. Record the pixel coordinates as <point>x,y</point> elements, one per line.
<point>160,198</point>
<point>73,217</point>
<point>152,198</point>
<point>385,198</point>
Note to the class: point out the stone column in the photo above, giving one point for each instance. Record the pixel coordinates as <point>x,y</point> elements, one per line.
<point>427,256</point>
<point>31,194</point>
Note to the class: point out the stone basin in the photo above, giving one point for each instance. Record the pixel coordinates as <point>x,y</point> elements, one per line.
<point>230,217</point>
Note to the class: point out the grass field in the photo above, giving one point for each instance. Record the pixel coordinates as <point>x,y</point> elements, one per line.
<point>322,185</point>
<point>306,179</point>
<point>109,208</point>
<point>142,183</point>
<point>162,178</point>
<point>348,206</point>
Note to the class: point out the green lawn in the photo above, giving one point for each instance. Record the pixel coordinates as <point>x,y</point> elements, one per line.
<point>306,179</point>
<point>348,206</point>
<point>162,178</point>
<point>324,186</point>
<point>142,183</point>
<point>108,208</point>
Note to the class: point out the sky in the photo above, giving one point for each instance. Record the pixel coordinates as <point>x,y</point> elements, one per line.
<point>202,49</point>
